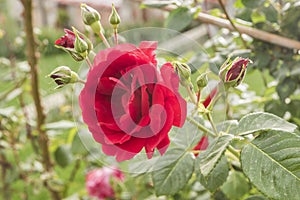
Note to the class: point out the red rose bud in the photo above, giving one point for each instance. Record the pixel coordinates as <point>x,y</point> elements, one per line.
<point>234,72</point>
<point>91,17</point>
<point>202,145</point>
<point>114,18</point>
<point>67,43</point>
<point>63,75</point>
<point>99,182</point>
<point>184,72</point>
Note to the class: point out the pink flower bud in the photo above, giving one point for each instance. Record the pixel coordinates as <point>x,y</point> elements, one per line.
<point>99,182</point>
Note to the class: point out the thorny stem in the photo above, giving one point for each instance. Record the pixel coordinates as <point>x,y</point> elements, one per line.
<point>32,61</point>
<point>201,127</point>
<point>231,22</point>
<point>104,39</point>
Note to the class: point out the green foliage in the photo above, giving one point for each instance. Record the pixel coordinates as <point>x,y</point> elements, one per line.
<point>236,186</point>
<point>169,175</point>
<point>209,158</point>
<point>271,162</point>
<point>179,19</point>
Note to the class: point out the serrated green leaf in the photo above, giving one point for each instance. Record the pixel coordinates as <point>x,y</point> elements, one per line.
<point>261,121</point>
<point>171,175</point>
<point>179,19</point>
<point>236,186</point>
<point>211,156</point>
<point>63,155</point>
<point>226,126</point>
<point>186,137</point>
<point>217,177</point>
<point>140,164</point>
<point>272,163</point>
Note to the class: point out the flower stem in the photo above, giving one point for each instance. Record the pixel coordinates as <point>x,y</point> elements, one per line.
<point>191,93</point>
<point>81,81</point>
<point>104,39</point>
<point>234,152</point>
<point>89,62</point>
<point>210,119</point>
<point>116,36</point>
<point>201,127</point>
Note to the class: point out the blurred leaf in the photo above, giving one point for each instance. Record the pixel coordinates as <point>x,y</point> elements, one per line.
<point>272,163</point>
<point>258,17</point>
<point>63,124</point>
<point>7,112</point>
<point>63,155</point>
<point>77,146</point>
<point>236,186</point>
<point>286,87</point>
<point>260,121</point>
<point>171,175</point>
<point>270,13</point>
<point>211,156</point>
<point>157,4</point>
<point>179,19</point>
<point>217,177</point>
<point>252,3</point>
<point>276,107</point>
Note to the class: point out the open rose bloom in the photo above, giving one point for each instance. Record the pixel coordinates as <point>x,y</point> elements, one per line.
<point>129,103</point>
<point>99,182</point>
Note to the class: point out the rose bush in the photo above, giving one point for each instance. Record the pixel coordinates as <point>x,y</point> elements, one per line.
<point>128,103</point>
<point>98,182</point>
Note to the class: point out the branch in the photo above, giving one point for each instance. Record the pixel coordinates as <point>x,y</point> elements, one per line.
<point>255,33</point>
<point>32,61</point>
<point>231,22</point>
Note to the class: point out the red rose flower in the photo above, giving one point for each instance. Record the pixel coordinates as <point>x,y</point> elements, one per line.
<point>128,104</point>
<point>98,182</point>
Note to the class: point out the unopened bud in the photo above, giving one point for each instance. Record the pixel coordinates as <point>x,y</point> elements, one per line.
<point>63,75</point>
<point>114,18</point>
<point>232,73</point>
<point>184,72</point>
<point>202,81</point>
<point>91,17</point>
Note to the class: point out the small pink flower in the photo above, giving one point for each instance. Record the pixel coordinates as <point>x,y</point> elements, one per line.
<point>98,182</point>
<point>66,41</point>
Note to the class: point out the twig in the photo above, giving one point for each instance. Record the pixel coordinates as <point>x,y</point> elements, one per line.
<point>231,22</point>
<point>255,33</point>
<point>72,175</point>
<point>210,119</point>
<point>32,61</point>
